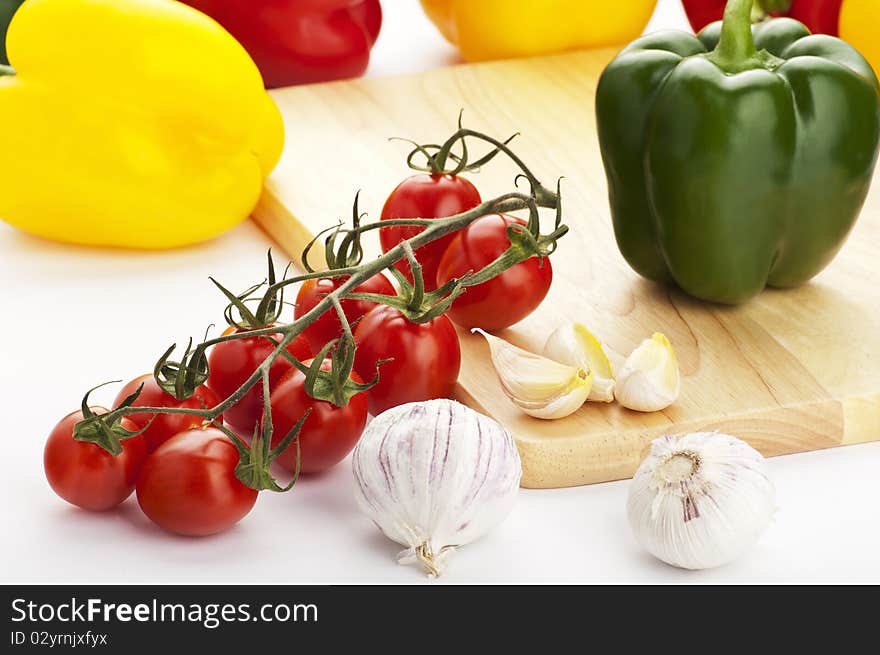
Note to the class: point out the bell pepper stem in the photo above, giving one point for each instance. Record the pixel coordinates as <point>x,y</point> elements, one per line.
<point>736,51</point>
<point>775,6</point>
<point>6,70</point>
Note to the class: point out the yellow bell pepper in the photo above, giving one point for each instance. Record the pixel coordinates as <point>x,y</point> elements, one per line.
<point>135,123</point>
<point>858,26</point>
<point>497,29</point>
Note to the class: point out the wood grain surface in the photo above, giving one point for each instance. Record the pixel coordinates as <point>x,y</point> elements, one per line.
<point>789,371</point>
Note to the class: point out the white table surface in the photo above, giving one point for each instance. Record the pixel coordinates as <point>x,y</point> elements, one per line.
<point>74,317</point>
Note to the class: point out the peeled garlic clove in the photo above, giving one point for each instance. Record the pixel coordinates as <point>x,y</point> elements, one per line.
<point>540,387</point>
<point>649,379</point>
<point>434,476</point>
<point>575,345</point>
<point>700,500</point>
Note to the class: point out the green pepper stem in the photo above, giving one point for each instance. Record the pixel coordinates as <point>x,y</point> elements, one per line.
<point>736,51</point>
<point>775,6</point>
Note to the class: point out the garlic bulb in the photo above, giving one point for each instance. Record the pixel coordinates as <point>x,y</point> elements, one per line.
<point>700,500</point>
<point>434,476</point>
<point>575,345</point>
<point>649,379</point>
<point>540,387</point>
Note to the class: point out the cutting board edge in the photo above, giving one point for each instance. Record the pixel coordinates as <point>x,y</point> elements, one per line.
<point>570,462</point>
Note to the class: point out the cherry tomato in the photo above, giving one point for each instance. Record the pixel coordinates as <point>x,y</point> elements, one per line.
<point>230,363</point>
<point>328,326</point>
<point>328,434</point>
<point>188,484</point>
<point>164,426</point>
<point>505,299</point>
<point>86,475</point>
<point>426,196</point>
<point>426,358</point>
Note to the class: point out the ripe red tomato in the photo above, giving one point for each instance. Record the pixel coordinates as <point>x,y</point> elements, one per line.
<point>328,325</point>
<point>230,363</point>
<point>426,196</point>
<point>86,475</point>
<point>820,16</point>
<point>164,426</point>
<point>188,484</point>
<point>426,358</point>
<point>505,299</point>
<point>298,41</point>
<point>328,434</point>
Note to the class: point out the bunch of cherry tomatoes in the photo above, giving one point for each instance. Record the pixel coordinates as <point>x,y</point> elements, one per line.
<point>184,469</point>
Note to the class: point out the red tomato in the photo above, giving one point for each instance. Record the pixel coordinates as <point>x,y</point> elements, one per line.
<point>301,41</point>
<point>188,484</point>
<point>426,358</point>
<point>820,16</point>
<point>230,363</point>
<point>86,475</point>
<point>328,434</point>
<point>164,426</point>
<point>426,196</point>
<point>505,299</point>
<point>328,326</point>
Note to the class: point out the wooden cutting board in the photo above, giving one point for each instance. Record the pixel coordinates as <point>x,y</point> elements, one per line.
<point>789,371</point>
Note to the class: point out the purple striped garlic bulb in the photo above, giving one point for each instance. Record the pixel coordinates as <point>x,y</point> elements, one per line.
<point>434,476</point>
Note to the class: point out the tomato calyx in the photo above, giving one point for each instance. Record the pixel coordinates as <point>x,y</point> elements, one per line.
<point>335,385</point>
<point>105,429</point>
<point>440,159</point>
<point>270,304</point>
<point>254,459</point>
<point>347,254</point>
<point>182,379</point>
<point>416,304</point>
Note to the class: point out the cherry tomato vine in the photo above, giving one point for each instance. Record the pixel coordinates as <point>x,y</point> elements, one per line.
<point>336,383</point>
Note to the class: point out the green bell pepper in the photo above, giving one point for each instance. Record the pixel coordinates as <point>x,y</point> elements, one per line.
<point>737,158</point>
<point>7,9</point>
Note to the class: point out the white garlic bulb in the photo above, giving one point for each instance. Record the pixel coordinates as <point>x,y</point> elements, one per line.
<point>700,500</point>
<point>434,476</point>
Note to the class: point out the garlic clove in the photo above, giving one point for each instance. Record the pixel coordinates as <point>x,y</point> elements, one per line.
<point>649,379</point>
<point>539,386</point>
<point>575,345</point>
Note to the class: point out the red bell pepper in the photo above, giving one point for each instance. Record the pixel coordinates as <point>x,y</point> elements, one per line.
<point>301,41</point>
<point>820,16</point>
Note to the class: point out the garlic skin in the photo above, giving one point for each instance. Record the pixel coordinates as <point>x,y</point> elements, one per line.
<point>434,476</point>
<point>539,386</point>
<point>574,345</point>
<point>700,500</point>
<point>649,379</point>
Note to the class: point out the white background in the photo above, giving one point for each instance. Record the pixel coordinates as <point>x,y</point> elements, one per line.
<point>73,317</point>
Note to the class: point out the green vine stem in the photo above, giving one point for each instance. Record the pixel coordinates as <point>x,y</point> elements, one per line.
<point>526,242</point>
